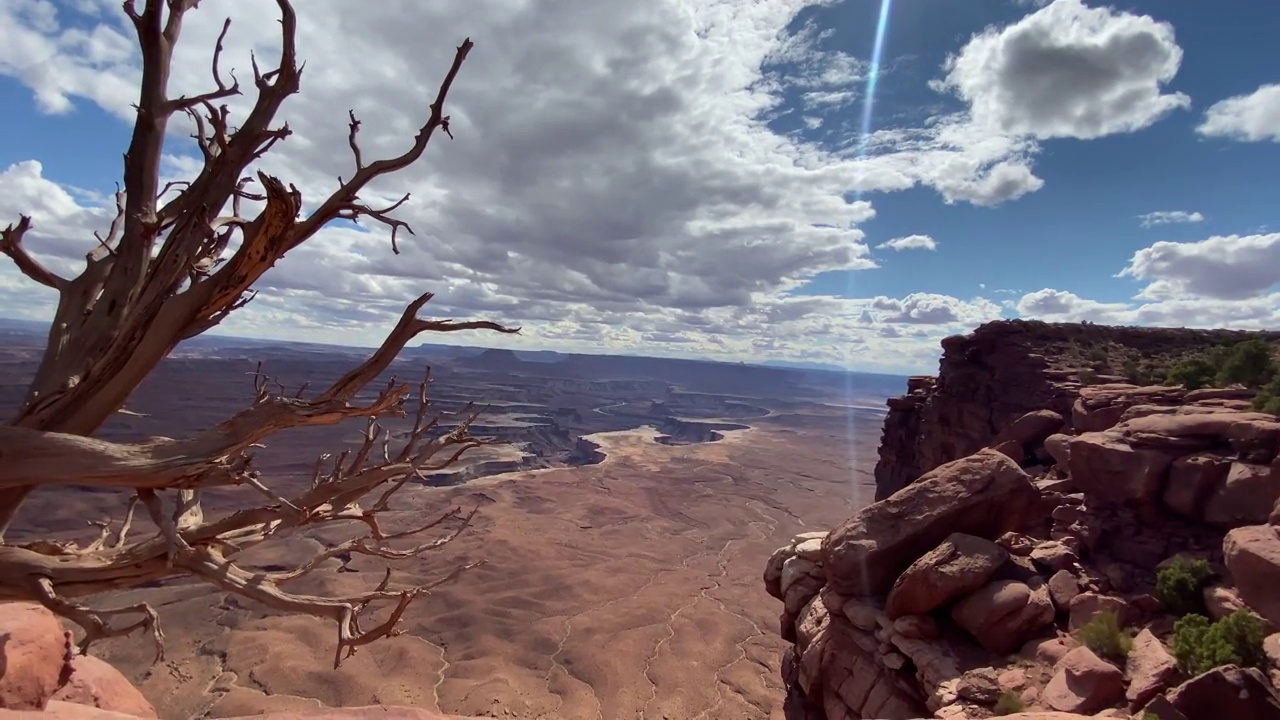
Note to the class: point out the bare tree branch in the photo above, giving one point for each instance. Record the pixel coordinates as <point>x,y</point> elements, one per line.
<point>160,276</point>
<point>11,245</point>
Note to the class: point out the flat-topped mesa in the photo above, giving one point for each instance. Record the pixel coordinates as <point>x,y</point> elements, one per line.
<point>1005,369</point>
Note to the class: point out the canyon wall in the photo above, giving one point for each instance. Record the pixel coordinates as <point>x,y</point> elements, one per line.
<point>1005,369</point>
<point>1025,495</point>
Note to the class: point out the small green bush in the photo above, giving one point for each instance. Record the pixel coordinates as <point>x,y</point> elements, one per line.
<point>1008,704</point>
<point>1200,645</point>
<point>1193,373</point>
<point>1104,636</point>
<point>1180,585</point>
<point>1268,398</point>
<point>1249,363</point>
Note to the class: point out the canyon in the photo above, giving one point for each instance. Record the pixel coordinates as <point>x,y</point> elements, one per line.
<point>621,526</point>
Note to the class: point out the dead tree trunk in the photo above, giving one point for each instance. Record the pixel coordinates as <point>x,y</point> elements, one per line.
<point>163,274</point>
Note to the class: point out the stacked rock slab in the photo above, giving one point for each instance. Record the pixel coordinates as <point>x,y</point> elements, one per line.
<point>996,374</point>
<point>969,585</point>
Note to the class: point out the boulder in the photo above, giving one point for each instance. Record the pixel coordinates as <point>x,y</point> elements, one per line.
<point>1150,668</point>
<point>794,569</point>
<point>981,685</point>
<point>1031,429</point>
<point>1221,601</point>
<point>1192,479</point>
<point>1245,497</point>
<point>1016,544</point>
<point>1063,588</point>
<point>1059,448</point>
<point>32,648</point>
<point>1004,614</point>
<point>1085,606</point>
<point>1227,692</point>
<point>96,683</point>
<point>985,494</point>
<point>1082,682</point>
<point>773,571</point>
<point>957,567</point>
<point>1195,429</point>
<point>916,627</point>
<point>1252,556</point>
<point>1054,555</point>
<point>1106,467</point>
<point>810,549</point>
<point>1099,407</point>
<point>1161,709</point>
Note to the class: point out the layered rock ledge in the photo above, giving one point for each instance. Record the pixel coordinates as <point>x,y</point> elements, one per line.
<point>965,592</point>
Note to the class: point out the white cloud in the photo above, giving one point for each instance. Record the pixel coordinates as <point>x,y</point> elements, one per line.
<point>614,184</point>
<point>933,309</point>
<point>910,242</point>
<point>1261,312</point>
<point>1068,70</point>
<point>1231,267</point>
<point>1251,118</point>
<point>1167,217</point>
<point>1064,306</point>
<point>1222,281</point>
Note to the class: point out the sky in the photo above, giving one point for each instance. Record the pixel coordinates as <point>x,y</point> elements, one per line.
<point>837,181</point>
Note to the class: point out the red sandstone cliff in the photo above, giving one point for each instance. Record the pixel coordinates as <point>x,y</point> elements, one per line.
<point>1006,369</point>
<point>1044,505</point>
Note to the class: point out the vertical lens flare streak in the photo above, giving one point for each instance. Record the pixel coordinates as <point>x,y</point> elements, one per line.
<point>868,107</point>
<point>873,76</point>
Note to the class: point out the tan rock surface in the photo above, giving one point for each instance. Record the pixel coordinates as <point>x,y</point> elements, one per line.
<point>985,494</point>
<point>32,648</point>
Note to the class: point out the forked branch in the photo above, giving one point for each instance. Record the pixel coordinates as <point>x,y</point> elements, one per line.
<point>11,245</point>
<point>159,276</point>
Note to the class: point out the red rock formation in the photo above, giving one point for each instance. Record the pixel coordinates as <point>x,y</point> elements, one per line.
<point>34,681</point>
<point>1002,371</point>
<point>1067,512</point>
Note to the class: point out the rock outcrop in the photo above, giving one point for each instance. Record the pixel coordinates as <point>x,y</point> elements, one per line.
<point>1010,542</point>
<point>41,675</point>
<point>1007,369</point>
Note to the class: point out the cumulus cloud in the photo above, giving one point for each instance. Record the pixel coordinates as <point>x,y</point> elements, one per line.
<point>1261,312</point>
<point>1168,217</point>
<point>1068,70</point>
<point>933,309</point>
<point>910,242</point>
<point>1250,118</point>
<point>1222,281</point>
<point>1230,267</point>
<point>614,183</point>
<point>1063,306</point>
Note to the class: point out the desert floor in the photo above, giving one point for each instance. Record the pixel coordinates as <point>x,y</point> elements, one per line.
<point>627,589</point>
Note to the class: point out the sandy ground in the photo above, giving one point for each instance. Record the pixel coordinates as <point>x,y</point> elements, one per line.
<point>628,589</point>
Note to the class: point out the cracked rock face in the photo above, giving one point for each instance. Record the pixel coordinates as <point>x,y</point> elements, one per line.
<point>1002,542</point>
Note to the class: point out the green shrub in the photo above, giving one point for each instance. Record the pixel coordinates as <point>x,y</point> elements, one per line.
<point>1249,363</point>
<point>1104,636</point>
<point>1268,398</point>
<point>1193,373</point>
<point>1008,704</point>
<point>1180,585</point>
<point>1200,645</point>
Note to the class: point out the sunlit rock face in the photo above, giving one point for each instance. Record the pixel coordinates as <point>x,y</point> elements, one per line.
<point>1018,510</point>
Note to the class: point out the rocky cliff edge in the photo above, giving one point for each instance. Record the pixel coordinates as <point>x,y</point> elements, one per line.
<point>1016,575</point>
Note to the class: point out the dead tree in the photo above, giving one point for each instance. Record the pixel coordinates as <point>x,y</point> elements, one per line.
<point>168,270</point>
